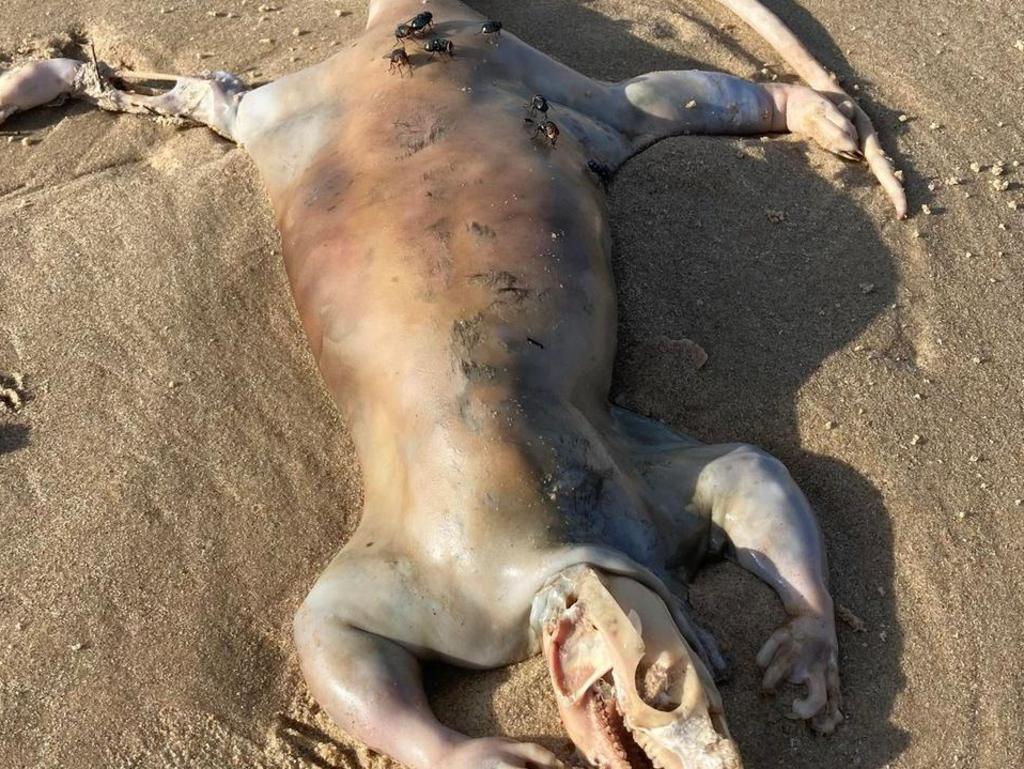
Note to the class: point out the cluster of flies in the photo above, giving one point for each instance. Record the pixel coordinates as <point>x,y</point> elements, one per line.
<point>417,28</point>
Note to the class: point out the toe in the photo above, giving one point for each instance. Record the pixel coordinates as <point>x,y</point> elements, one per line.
<point>816,699</point>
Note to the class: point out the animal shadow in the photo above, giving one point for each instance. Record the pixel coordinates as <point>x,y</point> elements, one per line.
<point>13,437</point>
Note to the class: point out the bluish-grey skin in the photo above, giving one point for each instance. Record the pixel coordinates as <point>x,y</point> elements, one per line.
<point>451,268</point>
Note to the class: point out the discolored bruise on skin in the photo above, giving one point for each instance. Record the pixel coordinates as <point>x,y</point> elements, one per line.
<point>451,269</point>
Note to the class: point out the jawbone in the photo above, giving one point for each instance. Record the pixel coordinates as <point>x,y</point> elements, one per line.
<point>605,638</point>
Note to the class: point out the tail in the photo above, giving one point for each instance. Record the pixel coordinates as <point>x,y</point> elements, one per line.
<point>778,36</point>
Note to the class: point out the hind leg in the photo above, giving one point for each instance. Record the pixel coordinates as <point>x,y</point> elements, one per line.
<point>738,498</point>
<point>370,684</point>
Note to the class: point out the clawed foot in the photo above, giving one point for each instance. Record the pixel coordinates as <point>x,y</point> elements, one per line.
<point>804,651</point>
<point>835,122</point>
<point>813,115</point>
<point>496,753</point>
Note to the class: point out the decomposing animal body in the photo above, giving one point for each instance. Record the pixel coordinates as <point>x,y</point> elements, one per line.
<point>510,510</point>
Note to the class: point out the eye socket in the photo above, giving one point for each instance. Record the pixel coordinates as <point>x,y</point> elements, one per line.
<point>660,684</point>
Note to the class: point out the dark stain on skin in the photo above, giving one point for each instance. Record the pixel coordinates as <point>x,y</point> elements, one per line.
<point>438,266</point>
<point>469,419</point>
<point>325,189</point>
<point>504,284</point>
<point>482,231</point>
<point>418,135</point>
<point>466,335</point>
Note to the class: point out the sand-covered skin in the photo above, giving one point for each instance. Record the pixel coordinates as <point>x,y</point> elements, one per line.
<point>176,476</point>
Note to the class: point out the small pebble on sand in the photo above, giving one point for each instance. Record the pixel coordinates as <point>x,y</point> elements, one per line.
<point>691,104</point>
<point>916,440</point>
<point>926,209</point>
<point>976,167</point>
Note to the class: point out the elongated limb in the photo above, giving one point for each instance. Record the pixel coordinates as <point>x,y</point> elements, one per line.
<point>795,54</point>
<point>649,106</point>
<point>210,99</point>
<point>371,686</point>
<point>737,497</point>
<point>660,104</point>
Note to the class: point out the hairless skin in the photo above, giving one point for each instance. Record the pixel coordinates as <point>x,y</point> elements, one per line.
<point>451,267</point>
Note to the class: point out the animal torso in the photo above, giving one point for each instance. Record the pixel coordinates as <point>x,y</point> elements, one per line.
<point>451,266</point>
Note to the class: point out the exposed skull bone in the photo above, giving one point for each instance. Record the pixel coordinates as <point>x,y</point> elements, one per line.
<point>631,692</point>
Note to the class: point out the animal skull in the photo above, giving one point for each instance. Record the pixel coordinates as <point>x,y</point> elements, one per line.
<point>631,692</point>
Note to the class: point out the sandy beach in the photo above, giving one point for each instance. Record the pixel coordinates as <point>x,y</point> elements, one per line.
<point>176,475</point>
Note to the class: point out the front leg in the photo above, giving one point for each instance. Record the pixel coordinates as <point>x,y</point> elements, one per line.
<point>773,534</point>
<point>661,104</point>
<point>738,496</point>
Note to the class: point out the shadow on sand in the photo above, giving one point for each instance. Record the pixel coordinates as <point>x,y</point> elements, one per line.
<point>696,256</point>
<point>13,438</point>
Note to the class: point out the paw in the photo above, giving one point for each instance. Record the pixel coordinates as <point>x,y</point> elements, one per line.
<point>813,115</point>
<point>497,753</point>
<point>804,652</point>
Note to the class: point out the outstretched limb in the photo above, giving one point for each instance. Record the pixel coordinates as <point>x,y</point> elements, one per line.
<point>772,532</point>
<point>372,688</point>
<point>652,107</point>
<point>737,498</point>
<point>211,99</point>
<point>660,104</point>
